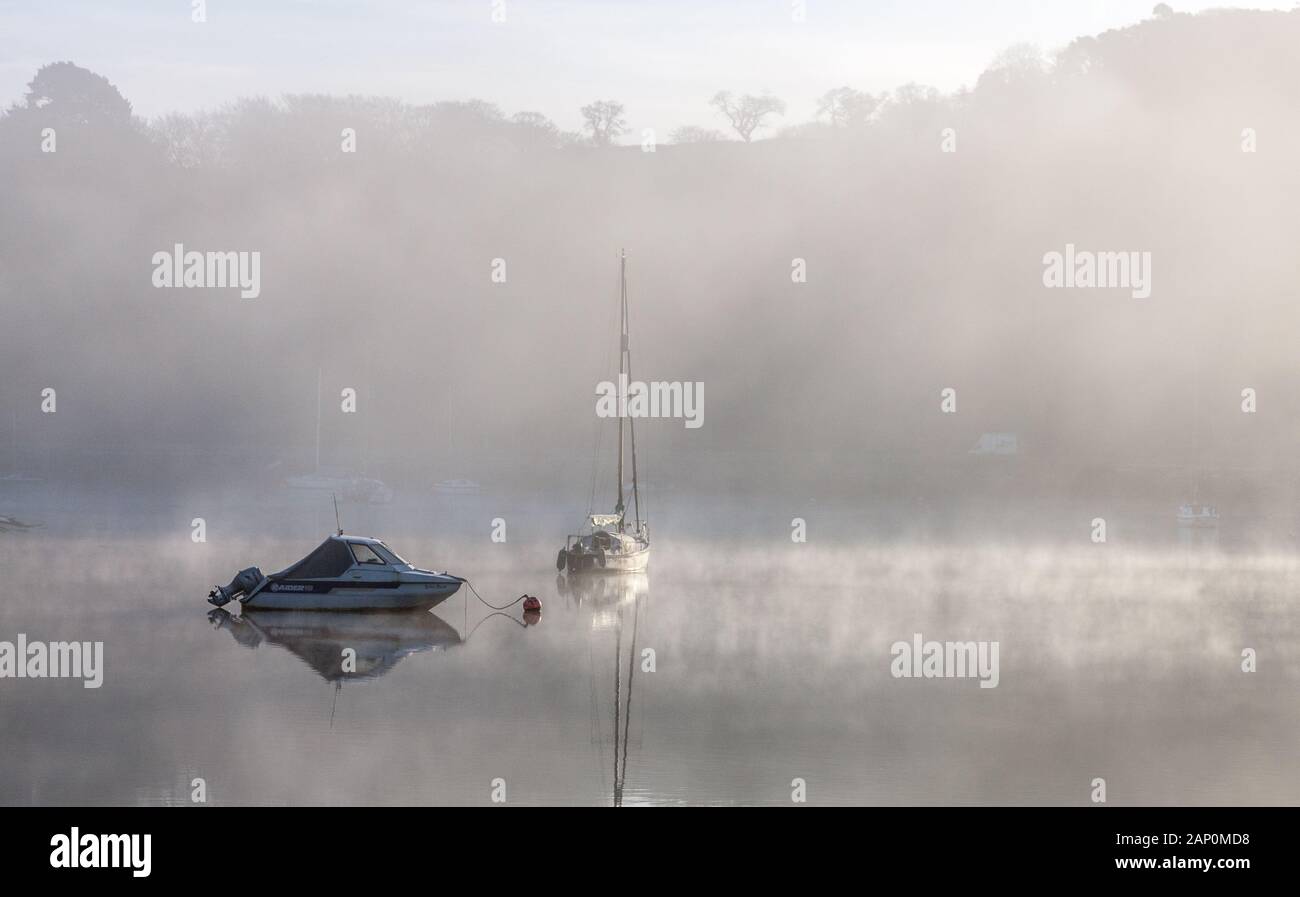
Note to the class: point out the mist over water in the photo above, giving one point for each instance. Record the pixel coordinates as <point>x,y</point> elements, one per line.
<point>771,662</point>
<point>924,271</point>
<point>1120,657</point>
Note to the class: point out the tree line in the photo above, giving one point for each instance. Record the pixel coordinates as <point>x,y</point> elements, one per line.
<point>65,93</point>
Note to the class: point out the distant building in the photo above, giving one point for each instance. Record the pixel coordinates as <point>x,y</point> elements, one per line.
<point>996,444</point>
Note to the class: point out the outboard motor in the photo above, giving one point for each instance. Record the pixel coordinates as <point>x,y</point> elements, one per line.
<point>243,583</point>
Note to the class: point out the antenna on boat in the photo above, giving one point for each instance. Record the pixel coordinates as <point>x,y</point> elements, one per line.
<point>334,496</point>
<point>318,379</point>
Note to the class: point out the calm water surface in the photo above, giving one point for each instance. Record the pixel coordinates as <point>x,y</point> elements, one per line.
<point>770,662</point>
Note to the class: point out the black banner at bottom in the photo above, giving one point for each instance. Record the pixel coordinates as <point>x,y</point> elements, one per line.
<point>333,845</point>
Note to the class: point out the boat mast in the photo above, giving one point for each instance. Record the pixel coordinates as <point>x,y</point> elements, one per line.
<point>318,378</point>
<point>622,376</point>
<point>631,421</point>
<point>636,495</point>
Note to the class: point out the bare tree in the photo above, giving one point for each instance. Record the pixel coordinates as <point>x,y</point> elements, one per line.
<point>535,129</point>
<point>748,113</point>
<point>604,119</point>
<point>190,141</point>
<point>694,134</point>
<point>845,107</point>
<point>534,121</point>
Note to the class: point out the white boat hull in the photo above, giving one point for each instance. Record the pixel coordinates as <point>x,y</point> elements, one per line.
<point>630,562</point>
<point>323,596</point>
<point>627,563</point>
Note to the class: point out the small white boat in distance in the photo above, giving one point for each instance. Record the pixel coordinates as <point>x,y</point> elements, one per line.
<point>352,486</point>
<point>343,573</point>
<point>1195,514</point>
<point>457,487</point>
<point>368,489</point>
<point>349,487</point>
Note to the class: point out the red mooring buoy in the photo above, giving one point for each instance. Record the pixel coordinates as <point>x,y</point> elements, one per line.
<point>531,603</point>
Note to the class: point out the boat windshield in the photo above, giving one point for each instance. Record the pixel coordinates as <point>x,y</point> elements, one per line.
<point>389,555</point>
<point>366,555</point>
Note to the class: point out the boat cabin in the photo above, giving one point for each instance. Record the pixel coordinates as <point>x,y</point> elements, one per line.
<point>338,554</point>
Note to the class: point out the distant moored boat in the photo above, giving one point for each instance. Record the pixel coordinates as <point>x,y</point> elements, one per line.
<point>612,542</point>
<point>1196,514</point>
<point>457,487</point>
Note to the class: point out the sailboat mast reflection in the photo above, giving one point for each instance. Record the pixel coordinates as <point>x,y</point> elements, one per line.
<point>614,600</point>
<point>620,771</point>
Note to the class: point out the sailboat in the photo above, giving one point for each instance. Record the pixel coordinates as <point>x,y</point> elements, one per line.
<point>351,487</point>
<point>1196,513</point>
<point>612,542</point>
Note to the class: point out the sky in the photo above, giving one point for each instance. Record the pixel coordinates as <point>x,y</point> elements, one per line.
<point>663,60</point>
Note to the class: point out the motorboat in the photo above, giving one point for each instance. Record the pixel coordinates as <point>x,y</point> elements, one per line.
<point>343,573</point>
<point>613,542</point>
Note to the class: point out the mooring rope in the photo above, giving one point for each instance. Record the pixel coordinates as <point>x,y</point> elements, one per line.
<point>490,616</point>
<point>493,606</point>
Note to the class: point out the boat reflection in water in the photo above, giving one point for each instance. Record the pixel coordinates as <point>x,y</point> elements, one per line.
<point>319,637</point>
<point>604,592</point>
<point>616,602</point>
